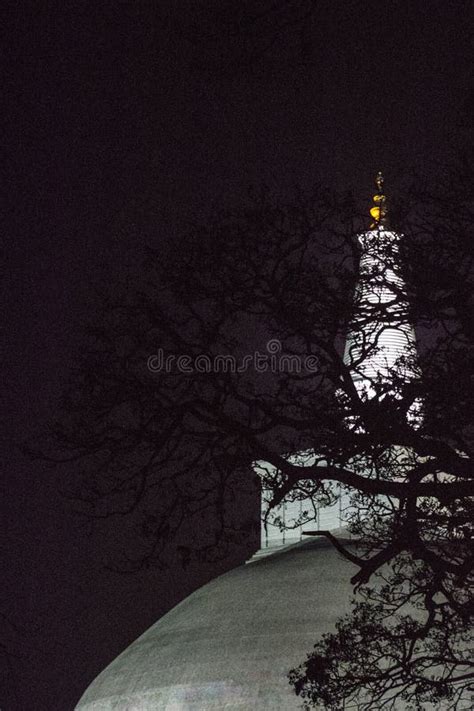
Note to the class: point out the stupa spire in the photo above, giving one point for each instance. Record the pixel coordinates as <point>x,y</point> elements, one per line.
<point>379,210</point>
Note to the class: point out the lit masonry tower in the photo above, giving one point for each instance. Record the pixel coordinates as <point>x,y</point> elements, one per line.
<point>380,337</point>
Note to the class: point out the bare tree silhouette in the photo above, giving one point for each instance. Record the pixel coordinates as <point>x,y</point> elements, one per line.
<point>165,427</point>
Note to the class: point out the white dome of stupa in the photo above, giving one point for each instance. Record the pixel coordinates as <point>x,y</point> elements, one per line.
<point>230,645</point>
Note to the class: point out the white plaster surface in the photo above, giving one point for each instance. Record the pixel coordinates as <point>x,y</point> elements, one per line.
<point>230,645</point>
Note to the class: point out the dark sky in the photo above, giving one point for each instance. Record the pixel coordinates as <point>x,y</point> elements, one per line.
<point>123,122</point>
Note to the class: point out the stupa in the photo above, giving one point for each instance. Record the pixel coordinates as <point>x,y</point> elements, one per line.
<point>230,644</point>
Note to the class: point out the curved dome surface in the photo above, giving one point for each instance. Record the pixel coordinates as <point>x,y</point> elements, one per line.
<point>230,644</point>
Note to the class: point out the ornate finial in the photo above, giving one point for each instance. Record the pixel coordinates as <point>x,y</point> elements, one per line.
<point>379,211</point>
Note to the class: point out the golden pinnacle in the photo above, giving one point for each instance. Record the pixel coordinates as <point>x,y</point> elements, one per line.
<point>379,211</point>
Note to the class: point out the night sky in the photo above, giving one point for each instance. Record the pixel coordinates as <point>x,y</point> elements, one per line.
<point>124,122</point>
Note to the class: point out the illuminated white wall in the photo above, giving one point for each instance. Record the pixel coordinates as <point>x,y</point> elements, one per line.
<point>287,522</point>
